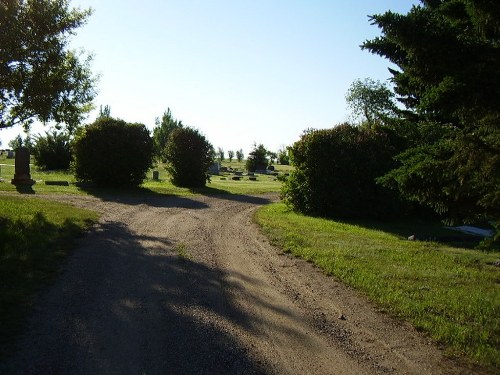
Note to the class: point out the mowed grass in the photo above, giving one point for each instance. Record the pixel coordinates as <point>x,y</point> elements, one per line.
<point>218,184</point>
<point>453,294</point>
<point>36,235</point>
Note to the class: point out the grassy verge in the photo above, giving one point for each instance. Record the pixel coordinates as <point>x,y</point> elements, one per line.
<point>451,293</point>
<point>217,185</point>
<point>35,235</point>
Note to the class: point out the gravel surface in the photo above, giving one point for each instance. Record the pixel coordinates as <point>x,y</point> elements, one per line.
<point>188,285</point>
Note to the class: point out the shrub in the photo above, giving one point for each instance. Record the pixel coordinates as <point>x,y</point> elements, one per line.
<point>111,152</point>
<point>257,158</point>
<point>52,151</point>
<point>188,155</point>
<point>335,172</point>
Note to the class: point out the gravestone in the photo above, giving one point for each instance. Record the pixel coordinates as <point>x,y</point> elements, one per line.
<point>214,169</point>
<point>22,168</point>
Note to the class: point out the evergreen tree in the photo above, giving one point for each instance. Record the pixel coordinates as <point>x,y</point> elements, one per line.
<point>162,131</point>
<point>447,55</point>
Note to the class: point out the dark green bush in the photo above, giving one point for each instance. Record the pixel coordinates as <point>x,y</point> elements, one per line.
<point>335,172</point>
<point>52,151</point>
<point>111,152</point>
<point>188,155</point>
<point>257,159</point>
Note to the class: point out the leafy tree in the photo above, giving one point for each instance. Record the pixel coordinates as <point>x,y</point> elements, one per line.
<point>257,158</point>
<point>371,100</point>
<point>189,155</point>
<point>112,152</point>
<point>447,55</point>
<point>230,155</point>
<point>39,77</point>
<point>162,131</point>
<point>52,151</point>
<point>104,112</point>
<point>283,156</point>
<point>272,156</point>
<point>335,172</point>
<point>239,155</point>
<point>220,154</point>
<point>17,142</point>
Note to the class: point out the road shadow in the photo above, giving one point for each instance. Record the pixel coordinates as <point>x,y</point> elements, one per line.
<point>125,308</point>
<point>258,199</point>
<point>140,195</point>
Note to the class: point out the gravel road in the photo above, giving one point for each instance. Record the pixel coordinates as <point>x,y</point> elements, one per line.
<point>188,285</point>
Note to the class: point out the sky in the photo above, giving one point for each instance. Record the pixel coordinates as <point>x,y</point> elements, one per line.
<point>239,71</point>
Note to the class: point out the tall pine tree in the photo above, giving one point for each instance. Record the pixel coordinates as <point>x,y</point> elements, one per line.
<point>447,54</point>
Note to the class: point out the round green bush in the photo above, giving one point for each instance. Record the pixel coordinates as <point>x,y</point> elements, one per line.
<point>336,170</point>
<point>112,152</point>
<point>188,155</point>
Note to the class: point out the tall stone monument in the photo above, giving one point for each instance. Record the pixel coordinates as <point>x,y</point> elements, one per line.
<point>22,168</point>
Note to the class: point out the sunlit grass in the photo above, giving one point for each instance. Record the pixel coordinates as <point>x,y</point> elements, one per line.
<point>218,184</point>
<point>453,294</point>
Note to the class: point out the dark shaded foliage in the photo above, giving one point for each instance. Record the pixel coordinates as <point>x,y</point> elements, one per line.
<point>111,152</point>
<point>189,155</point>
<point>335,172</point>
<point>52,151</point>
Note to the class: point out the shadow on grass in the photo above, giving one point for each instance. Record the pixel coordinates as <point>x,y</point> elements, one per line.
<point>125,308</point>
<point>25,189</point>
<point>30,252</point>
<point>422,230</point>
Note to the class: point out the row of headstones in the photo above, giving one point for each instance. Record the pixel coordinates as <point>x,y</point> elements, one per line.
<point>216,169</point>
<point>9,154</point>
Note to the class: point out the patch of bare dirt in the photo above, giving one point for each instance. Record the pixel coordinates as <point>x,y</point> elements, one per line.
<point>188,285</point>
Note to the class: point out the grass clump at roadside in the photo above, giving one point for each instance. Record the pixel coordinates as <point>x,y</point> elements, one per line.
<point>36,235</point>
<point>453,294</point>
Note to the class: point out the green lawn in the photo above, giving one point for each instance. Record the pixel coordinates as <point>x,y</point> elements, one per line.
<point>451,293</point>
<point>36,235</point>
<point>218,185</point>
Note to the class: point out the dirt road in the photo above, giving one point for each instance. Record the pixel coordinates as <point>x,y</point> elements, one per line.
<point>188,285</point>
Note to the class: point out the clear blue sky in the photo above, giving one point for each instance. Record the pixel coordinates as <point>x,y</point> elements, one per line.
<point>240,71</point>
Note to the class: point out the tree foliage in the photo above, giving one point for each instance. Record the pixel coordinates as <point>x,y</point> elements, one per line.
<point>284,155</point>
<point>239,155</point>
<point>257,158</point>
<point>230,155</point>
<point>220,154</point>
<point>371,100</point>
<point>161,132</point>
<point>39,77</point>
<point>112,152</point>
<point>447,55</point>
<point>189,155</point>
<point>335,172</point>
<point>52,151</point>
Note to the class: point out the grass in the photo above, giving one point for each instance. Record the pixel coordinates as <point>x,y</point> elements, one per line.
<point>451,293</point>
<point>181,250</point>
<point>218,184</point>
<point>36,235</point>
